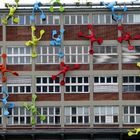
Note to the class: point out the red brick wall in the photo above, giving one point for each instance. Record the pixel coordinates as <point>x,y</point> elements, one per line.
<point>20,97</point>
<point>133,29</point>
<point>76,96</point>
<point>48,97</point>
<point>106,96</point>
<point>107,32</point>
<point>19,67</point>
<point>105,67</point>
<point>23,33</point>
<point>130,67</point>
<point>131,96</point>
<point>49,67</point>
<point>1,34</point>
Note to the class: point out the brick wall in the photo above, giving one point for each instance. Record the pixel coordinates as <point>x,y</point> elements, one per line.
<point>105,67</point>
<point>106,96</point>
<point>76,96</point>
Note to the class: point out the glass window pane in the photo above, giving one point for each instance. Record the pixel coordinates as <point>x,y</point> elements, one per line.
<point>73,19</point>
<point>137,110</point>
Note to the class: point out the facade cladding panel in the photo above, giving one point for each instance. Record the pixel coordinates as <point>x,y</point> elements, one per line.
<point>99,101</point>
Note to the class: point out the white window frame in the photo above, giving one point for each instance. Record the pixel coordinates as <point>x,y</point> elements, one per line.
<point>77,85</point>
<point>12,55</point>
<point>108,117</point>
<point>70,54</point>
<point>134,84</point>
<point>17,83</point>
<point>25,115</point>
<point>54,84</point>
<point>128,115</point>
<point>54,55</point>
<point>48,115</point>
<point>83,115</point>
<point>82,23</point>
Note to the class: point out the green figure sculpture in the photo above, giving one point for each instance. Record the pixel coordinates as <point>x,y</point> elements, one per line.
<point>58,3</point>
<point>11,14</point>
<point>32,107</point>
<point>134,132</point>
<point>33,43</point>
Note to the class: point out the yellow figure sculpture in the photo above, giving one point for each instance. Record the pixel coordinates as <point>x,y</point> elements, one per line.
<point>33,43</point>
<point>11,14</point>
<point>134,132</point>
<point>138,64</point>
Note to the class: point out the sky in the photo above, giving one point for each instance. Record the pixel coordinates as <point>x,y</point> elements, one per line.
<point>63,1</point>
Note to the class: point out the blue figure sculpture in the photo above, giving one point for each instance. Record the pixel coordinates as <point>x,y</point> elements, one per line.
<point>37,8</point>
<point>111,6</point>
<point>6,106</point>
<point>57,41</point>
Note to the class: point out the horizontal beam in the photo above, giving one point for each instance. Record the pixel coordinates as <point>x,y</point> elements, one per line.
<point>79,5</point>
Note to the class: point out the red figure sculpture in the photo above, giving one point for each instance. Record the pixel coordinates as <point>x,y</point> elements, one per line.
<point>65,69</point>
<point>4,70</point>
<point>91,37</point>
<point>127,37</point>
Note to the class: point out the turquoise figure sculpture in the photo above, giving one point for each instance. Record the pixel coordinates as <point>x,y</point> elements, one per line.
<point>34,41</point>
<point>32,107</point>
<point>12,11</point>
<point>112,6</point>
<point>5,104</point>
<point>57,41</point>
<point>56,3</point>
<point>37,8</point>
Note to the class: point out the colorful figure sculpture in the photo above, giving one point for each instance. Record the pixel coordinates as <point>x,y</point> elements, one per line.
<point>32,107</point>
<point>56,3</point>
<point>57,41</point>
<point>36,8</point>
<point>5,105</point>
<point>111,6</point>
<point>134,132</point>
<point>11,14</point>
<point>92,38</point>
<point>4,70</point>
<point>34,41</point>
<point>65,69</point>
<point>127,37</point>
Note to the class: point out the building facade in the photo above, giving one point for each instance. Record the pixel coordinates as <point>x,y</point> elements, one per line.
<point>99,101</point>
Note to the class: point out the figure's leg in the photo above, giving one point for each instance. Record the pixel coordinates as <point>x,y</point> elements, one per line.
<point>34,53</point>
<point>15,20</point>
<point>130,47</point>
<point>42,16</point>
<point>29,43</point>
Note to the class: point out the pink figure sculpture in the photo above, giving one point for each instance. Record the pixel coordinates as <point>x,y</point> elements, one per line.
<point>91,37</point>
<point>65,69</point>
<point>4,70</point>
<point>127,37</point>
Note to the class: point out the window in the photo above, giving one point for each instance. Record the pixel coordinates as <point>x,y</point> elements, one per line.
<point>18,55</point>
<point>131,84</point>
<point>77,115</point>
<point>76,54</point>
<point>136,18</point>
<point>77,85</point>
<point>47,55</point>
<point>1,115</point>
<point>105,55</point>
<point>106,114</point>
<point>76,19</point>
<point>47,85</point>
<point>131,115</point>
<point>20,84</point>
<point>19,116</point>
<point>105,84</point>
<point>131,56</point>
<point>102,19</point>
<point>52,115</point>
<point>25,20</point>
